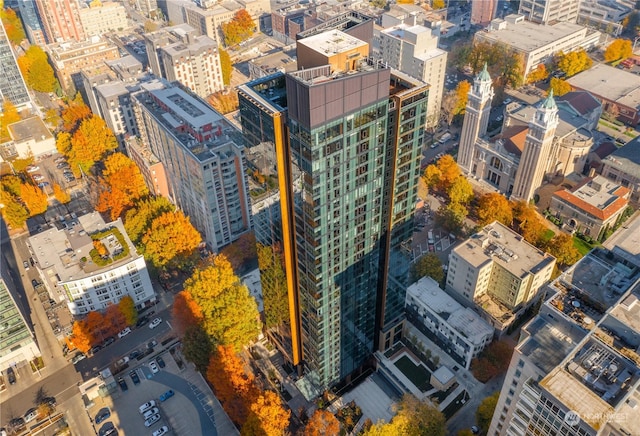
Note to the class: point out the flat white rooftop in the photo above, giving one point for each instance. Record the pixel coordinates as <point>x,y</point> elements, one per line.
<point>332,42</point>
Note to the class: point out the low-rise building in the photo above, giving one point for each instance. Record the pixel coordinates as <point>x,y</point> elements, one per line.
<point>17,342</point>
<point>98,18</point>
<point>499,272</point>
<point>29,137</point>
<point>623,166</point>
<point>613,87</point>
<point>592,207</point>
<point>605,15</point>
<point>207,20</point>
<point>70,58</point>
<point>90,264</point>
<point>462,331</point>
<point>538,43</point>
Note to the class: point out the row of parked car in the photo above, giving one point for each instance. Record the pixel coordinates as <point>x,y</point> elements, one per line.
<point>18,424</point>
<point>151,413</point>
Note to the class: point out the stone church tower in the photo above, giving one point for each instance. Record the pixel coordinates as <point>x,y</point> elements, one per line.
<point>476,118</point>
<point>537,150</point>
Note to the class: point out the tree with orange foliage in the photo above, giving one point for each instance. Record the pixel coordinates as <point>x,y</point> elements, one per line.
<point>530,224</point>
<point>89,143</point>
<point>268,417</point>
<point>61,194</point>
<point>322,423</point>
<point>185,312</point>
<point>462,95</point>
<point>123,185</point>
<point>8,116</point>
<point>12,25</point>
<point>241,251</point>
<point>81,337</point>
<point>35,200</point>
<point>171,235</point>
<point>74,113</point>
<point>114,320</point>
<point>538,74</point>
<point>96,325</point>
<point>238,29</point>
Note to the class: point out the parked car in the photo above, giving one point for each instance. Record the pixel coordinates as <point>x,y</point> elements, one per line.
<point>146,406</point>
<point>77,358</point>
<point>11,376</point>
<point>51,401</point>
<point>149,413</point>
<point>32,168</point>
<point>160,361</point>
<point>102,415</point>
<point>31,414</point>
<point>95,349</point>
<point>35,283</point>
<point>123,384</point>
<point>62,165</point>
<point>108,429</point>
<point>152,343</point>
<point>167,395</point>
<point>124,332</point>
<point>134,354</point>
<point>43,185</point>
<point>109,341</point>
<point>60,159</point>
<point>142,321</point>
<point>155,323</point>
<point>37,177</point>
<point>152,420</point>
<point>25,264</point>
<point>134,377</point>
<point>161,431</point>
<point>17,424</point>
<point>153,367</point>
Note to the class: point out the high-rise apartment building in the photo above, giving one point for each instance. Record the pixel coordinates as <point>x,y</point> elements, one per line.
<point>483,11</point>
<point>12,86</point>
<point>550,11</point>
<point>346,132</point>
<point>31,21</point>
<point>177,53</point>
<point>60,20</point>
<point>414,50</point>
<point>575,370</point>
<point>100,18</point>
<point>203,157</point>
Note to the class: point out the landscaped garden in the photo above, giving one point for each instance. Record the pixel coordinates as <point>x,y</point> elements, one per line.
<point>419,375</point>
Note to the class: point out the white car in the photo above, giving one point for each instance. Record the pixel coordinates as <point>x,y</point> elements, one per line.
<point>161,431</point>
<point>32,168</point>
<point>147,406</point>
<point>155,323</point>
<point>153,367</point>
<point>124,332</point>
<point>149,413</point>
<point>149,422</point>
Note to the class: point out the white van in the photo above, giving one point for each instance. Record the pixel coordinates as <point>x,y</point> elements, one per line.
<point>444,138</point>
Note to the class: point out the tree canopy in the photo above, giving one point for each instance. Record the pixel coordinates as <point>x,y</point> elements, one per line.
<point>36,70</point>
<point>170,237</point>
<point>12,25</point>
<point>428,265</point>
<point>485,410</point>
<point>89,143</point>
<point>8,116</point>
<point>618,49</point>
<point>274,285</point>
<point>538,74</point>
<point>559,86</point>
<point>122,185</point>
<point>238,29</point>
<point>494,207</point>
<point>322,423</point>
<point>61,194</point>
<point>562,248</point>
<point>33,197</point>
<point>268,417</point>
<point>139,218</point>
<point>226,66</point>
<point>505,65</point>
<point>573,62</point>
<point>414,418</point>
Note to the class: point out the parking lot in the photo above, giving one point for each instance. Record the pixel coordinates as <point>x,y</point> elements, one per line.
<point>191,410</point>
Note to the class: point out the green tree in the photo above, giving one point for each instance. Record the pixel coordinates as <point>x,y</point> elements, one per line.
<point>428,265</point>
<point>451,217</point>
<point>36,70</point>
<point>170,236</point>
<point>127,307</point>
<point>494,207</point>
<point>197,347</point>
<point>8,116</point>
<point>226,66</point>
<point>230,314</point>
<point>414,418</point>
<point>12,26</point>
<point>139,219</point>
<point>484,414</point>
<point>274,285</point>
<point>559,86</point>
<point>618,49</point>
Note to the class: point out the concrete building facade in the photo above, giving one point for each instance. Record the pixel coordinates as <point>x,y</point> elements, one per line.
<point>29,137</point>
<point>550,11</point>
<point>31,22</point>
<point>99,18</point>
<point>483,11</point>
<point>60,20</point>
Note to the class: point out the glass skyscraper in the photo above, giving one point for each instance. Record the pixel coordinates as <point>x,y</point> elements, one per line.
<point>12,86</point>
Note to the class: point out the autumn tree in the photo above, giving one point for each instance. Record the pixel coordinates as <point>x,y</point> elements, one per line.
<point>530,224</point>
<point>224,101</point>
<point>36,70</point>
<point>139,219</point>
<point>538,74</point>
<point>122,184</point>
<point>89,143</point>
<point>451,217</point>
<point>559,86</point>
<point>449,105</point>
<point>226,66</point>
<point>448,172</point>
<point>462,95</point>
<point>52,118</point>
<point>268,417</point>
<point>241,251</point>
<point>8,116</point>
<point>238,29</point>
<point>618,49</point>
<point>492,361</point>
<point>185,312</point>
<point>197,346</point>
<point>431,176</point>
<point>10,184</point>
<point>464,432</point>
<point>35,200</point>
<point>229,312</point>
<point>170,236</point>
<point>14,213</point>
<point>61,194</point>
<point>437,4</point>
<point>95,323</point>
<point>506,66</point>
<point>484,413</point>
<point>127,307</point>
<point>561,247</point>
<point>12,26</point>
<point>414,418</point>
<point>114,319</point>
<point>460,191</point>
<point>81,336</point>
<point>573,62</point>
<point>322,423</point>
<point>428,265</point>
<point>494,207</point>
<point>274,285</point>
<point>74,113</point>
<point>150,26</point>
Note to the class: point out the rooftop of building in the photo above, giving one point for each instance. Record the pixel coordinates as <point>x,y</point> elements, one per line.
<point>67,247</point>
<point>549,340</point>
<point>626,158</point>
<point>92,46</point>
<point>401,30</point>
<point>628,313</point>
<point>464,320</point>
<point>252,281</point>
<point>597,196</point>
<point>528,36</point>
<point>126,66</point>
<point>498,243</point>
<point>195,46</point>
<point>277,61</point>
<point>625,242</point>
<point>142,150</point>
<point>332,42</point>
<point>28,129</point>
<point>592,382</point>
<point>611,83</point>
<point>269,91</point>
<point>605,149</point>
<point>569,122</point>
<point>181,112</point>
<point>112,89</point>
<point>582,101</point>
<point>341,21</point>
<point>586,290</point>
